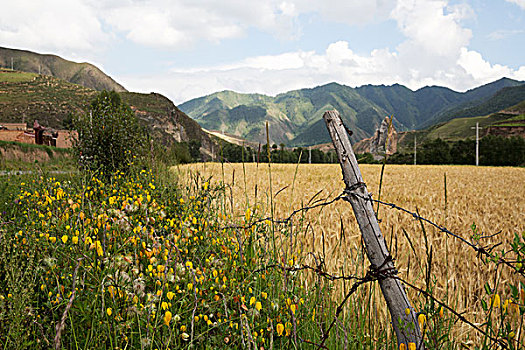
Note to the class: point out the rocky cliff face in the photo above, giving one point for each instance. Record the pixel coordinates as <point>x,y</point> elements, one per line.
<point>383,142</point>
<point>506,131</point>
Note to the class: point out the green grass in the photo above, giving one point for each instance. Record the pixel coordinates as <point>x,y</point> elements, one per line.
<point>60,159</point>
<point>458,129</point>
<point>8,76</point>
<point>28,146</point>
<point>165,277</point>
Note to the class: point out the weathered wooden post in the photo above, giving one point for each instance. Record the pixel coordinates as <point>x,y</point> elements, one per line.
<point>404,318</point>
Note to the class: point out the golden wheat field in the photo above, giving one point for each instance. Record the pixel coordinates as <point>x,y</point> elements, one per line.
<point>491,198</point>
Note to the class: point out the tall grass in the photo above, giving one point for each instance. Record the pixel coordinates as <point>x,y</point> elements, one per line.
<point>147,263</point>
<point>453,275</point>
<point>192,259</point>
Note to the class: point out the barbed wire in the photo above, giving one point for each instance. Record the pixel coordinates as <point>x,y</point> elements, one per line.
<point>481,250</point>
<point>454,312</point>
<point>287,219</point>
<point>377,273</point>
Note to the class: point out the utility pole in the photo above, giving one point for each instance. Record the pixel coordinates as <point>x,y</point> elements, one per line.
<point>309,155</point>
<point>12,64</point>
<point>415,149</point>
<point>477,142</point>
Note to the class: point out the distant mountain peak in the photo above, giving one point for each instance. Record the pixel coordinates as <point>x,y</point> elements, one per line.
<point>85,74</point>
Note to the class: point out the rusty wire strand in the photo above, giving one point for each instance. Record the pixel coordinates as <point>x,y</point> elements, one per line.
<point>377,273</point>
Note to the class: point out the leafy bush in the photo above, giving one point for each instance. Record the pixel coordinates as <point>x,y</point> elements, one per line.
<point>109,136</point>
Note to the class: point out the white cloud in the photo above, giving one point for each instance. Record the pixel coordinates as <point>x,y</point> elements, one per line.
<point>520,3</point>
<point>482,71</point>
<point>84,25</point>
<point>503,34</point>
<point>349,11</point>
<point>434,52</point>
<point>294,70</point>
<point>432,26</point>
<point>172,24</point>
<point>58,26</point>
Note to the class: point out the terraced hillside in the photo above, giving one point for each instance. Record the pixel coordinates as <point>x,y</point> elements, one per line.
<point>25,97</point>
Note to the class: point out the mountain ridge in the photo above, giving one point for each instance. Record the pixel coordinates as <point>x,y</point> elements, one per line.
<point>295,117</point>
<point>85,74</point>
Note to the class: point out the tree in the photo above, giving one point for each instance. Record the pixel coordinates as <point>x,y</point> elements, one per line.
<point>109,136</point>
<point>435,151</point>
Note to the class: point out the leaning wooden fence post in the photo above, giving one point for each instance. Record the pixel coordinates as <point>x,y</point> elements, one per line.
<point>404,318</point>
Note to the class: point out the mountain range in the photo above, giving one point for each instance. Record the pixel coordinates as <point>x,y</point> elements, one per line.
<point>64,88</point>
<point>295,117</point>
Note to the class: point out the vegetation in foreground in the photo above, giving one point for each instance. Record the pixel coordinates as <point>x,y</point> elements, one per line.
<point>453,196</point>
<point>135,258</point>
<point>142,261</point>
<point>30,157</point>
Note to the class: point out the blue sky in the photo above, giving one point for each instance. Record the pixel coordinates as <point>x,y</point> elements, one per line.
<point>188,48</point>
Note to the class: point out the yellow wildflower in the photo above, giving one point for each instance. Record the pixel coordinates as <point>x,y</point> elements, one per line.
<point>258,306</point>
<point>167,318</point>
<point>402,346</point>
<point>170,295</point>
<point>411,346</point>
<point>109,311</point>
<point>98,246</point>
<point>280,329</point>
<point>496,301</point>
<point>422,319</point>
<point>505,305</point>
<point>252,300</point>
<point>64,239</point>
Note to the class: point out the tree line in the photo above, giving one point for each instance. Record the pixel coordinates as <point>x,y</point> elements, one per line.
<point>232,153</point>
<point>493,150</point>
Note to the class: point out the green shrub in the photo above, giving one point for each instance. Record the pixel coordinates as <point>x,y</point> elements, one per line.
<point>109,136</point>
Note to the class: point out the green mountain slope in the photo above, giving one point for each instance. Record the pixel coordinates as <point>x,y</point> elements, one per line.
<point>25,97</point>
<point>504,98</point>
<point>463,128</point>
<point>295,117</point>
<point>84,74</point>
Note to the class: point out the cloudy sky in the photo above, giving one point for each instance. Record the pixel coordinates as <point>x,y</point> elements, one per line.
<point>189,48</point>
